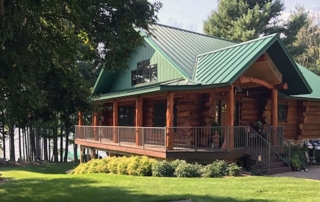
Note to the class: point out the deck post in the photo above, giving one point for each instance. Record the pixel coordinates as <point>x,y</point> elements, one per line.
<point>169,121</point>
<point>95,124</point>
<point>82,154</point>
<point>230,118</point>
<point>115,120</point>
<point>80,123</point>
<point>139,120</point>
<point>274,115</point>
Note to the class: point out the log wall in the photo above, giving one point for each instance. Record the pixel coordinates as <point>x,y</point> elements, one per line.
<point>108,117</point>
<point>310,122</point>
<point>249,110</point>
<point>290,125</point>
<point>148,113</point>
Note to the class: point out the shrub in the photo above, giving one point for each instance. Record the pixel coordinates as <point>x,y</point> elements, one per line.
<point>162,169</point>
<point>123,165</point>
<point>218,168</point>
<point>234,169</point>
<point>141,166</point>
<point>92,166</point>
<point>188,170</point>
<point>176,163</point>
<point>113,165</point>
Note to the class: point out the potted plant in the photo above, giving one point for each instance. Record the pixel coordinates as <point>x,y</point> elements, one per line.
<point>295,162</point>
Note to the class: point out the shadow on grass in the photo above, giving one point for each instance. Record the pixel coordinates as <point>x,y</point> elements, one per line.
<point>80,189</point>
<point>45,168</point>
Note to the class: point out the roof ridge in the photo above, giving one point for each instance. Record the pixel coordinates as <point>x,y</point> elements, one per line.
<point>236,45</point>
<point>193,32</point>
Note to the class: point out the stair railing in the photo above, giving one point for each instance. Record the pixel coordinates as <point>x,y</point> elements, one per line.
<point>259,147</point>
<point>280,146</point>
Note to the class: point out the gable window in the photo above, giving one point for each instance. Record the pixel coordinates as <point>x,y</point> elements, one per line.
<point>282,112</point>
<point>144,73</point>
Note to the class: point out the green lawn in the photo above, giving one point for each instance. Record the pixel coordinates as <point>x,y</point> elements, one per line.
<point>48,183</point>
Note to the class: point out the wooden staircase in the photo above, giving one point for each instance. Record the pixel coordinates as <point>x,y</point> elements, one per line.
<point>272,159</point>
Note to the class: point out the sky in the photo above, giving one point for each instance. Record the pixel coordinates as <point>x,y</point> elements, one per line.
<point>189,14</point>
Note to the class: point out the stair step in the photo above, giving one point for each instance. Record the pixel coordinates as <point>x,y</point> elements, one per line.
<point>277,164</point>
<point>279,170</point>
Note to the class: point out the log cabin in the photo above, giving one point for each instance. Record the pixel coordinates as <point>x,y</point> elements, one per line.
<point>191,96</point>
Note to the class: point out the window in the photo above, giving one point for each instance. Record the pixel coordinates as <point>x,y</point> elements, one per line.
<point>282,112</point>
<point>126,116</point>
<point>145,73</point>
<point>159,115</point>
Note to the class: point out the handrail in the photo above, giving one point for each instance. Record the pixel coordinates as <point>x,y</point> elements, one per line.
<point>259,146</point>
<point>280,138</point>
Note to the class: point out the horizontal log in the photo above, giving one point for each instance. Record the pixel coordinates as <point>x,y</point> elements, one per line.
<point>311,120</point>
<point>311,104</point>
<point>312,109</point>
<point>304,126</point>
<point>210,104</point>
<point>249,113</point>
<point>310,133</point>
<point>315,113</point>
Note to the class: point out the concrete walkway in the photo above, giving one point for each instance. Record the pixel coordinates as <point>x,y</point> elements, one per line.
<point>312,174</point>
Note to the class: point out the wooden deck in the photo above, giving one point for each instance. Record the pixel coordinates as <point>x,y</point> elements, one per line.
<point>200,155</point>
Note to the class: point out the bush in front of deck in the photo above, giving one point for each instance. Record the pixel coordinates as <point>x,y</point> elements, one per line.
<point>145,166</point>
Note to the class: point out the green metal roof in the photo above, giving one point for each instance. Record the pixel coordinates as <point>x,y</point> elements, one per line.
<point>314,82</point>
<point>226,65</point>
<point>182,46</point>
<point>175,84</point>
<point>104,81</point>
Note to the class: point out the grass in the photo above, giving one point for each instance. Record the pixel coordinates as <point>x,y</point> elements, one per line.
<point>49,183</point>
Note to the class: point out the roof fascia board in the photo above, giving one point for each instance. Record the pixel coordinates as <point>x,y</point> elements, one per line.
<point>97,81</point>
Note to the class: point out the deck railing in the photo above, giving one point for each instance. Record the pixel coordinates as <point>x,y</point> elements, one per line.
<point>185,138</point>
<point>123,135</point>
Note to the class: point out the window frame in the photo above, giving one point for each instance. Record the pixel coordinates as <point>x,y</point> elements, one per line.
<point>138,76</point>
<point>285,107</point>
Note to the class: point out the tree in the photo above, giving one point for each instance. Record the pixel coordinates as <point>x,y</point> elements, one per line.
<point>308,37</point>
<point>243,20</point>
<point>39,47</point>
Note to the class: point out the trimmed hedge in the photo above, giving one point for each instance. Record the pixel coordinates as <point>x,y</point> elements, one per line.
<point>145,166</point>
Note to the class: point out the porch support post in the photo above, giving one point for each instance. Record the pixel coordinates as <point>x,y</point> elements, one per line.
<point>169,122</point>
<point>82,154</point>
<point>95,124</point>
<point>230,117</point>
<point>115,121</point>
<point>80,128</point>
<point>274,114</point>
<point>139,120</point>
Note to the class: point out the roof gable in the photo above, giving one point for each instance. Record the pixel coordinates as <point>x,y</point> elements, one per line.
<point>225,66</point>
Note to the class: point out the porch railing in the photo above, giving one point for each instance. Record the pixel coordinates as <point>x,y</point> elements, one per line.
<point>207,137</point>
<point>280,146</point>
<point>123,135</point>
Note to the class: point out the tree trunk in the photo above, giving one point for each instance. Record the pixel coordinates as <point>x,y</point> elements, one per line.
<point>66,147</point>
<point>37,139</point>
<point>4,145</point>
<point>61,144</point>
<point>26,143</point>
<point>32,144</point>
<point>12,150</point>
<point>20,150</point>
<point>49,149</point>
<point>55,145</point>
<point>75,148</point>
<point>45,148</point>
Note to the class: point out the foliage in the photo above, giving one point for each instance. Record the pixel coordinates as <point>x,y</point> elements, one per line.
<point>162,169</point>
<point>257,170</point>
<point>145,166</point>
<point>220,168</point>
<point>188,170</point>
<point>243,20</point>
<point>295,161</point>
